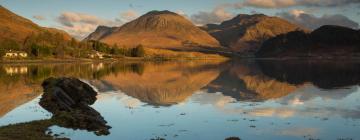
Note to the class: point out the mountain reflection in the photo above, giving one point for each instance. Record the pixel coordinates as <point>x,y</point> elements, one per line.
<point>163,84</point>
<point>14,94</point>
<point>259,80</point>
<point>244,81</point>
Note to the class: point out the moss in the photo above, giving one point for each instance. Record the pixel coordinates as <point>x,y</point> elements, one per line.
<point>34,130</point>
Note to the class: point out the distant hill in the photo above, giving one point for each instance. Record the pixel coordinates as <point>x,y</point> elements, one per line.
<point>326,41</point>
<point>156,29</point>
<point>100,32</point>
<point>245,33</point>
<point>17,28</point>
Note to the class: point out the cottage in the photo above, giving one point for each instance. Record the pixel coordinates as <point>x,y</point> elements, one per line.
<point>97,55</point>
<point>15,54</point>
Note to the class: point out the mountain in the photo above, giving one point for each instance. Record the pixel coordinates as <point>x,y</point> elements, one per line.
<point>326,41</point>
<point>17,28</point>
<point>100,32</point>
<point>157,29</point>
<point>245,33</point>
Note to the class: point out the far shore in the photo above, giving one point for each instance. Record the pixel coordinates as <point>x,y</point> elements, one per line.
<point>150,59</point>
<point>52,60</point>
<point>85,60</point>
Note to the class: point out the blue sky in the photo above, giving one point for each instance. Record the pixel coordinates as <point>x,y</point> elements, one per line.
<point>80,17</point>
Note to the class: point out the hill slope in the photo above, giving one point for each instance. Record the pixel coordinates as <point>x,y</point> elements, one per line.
<point>327,41</point>
<point>100,32</point>
<point>17,28</point>
<point>245,33</point>
<point>159,29</point>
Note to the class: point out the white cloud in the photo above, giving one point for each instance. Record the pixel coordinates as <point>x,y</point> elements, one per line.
<point>216,99</point>
<point>71,18</point>
<point>299,131</point>
<point>129,15</point>
<point>292,3</point>
<point>39,17</point>
<point>296,12</point>
<point>269,3</point>
<point>80,25</point>
<point>182,13</point>
<point>312,22</point>
<point>217,15</point>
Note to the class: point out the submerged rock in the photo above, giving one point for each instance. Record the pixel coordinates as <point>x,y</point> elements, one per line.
<point>232,138</point>
<point>69,99</point>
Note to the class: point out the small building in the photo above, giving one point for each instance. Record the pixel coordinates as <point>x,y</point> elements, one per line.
<point>15,54</point>
<point>96,55</point>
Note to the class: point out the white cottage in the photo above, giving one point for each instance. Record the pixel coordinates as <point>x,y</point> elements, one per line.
<point>15,54</point>
<point>97,55</point>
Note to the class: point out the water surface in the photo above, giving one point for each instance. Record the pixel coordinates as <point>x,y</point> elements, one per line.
<point>249,99</point>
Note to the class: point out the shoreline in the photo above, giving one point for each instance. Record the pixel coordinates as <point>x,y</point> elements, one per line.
<point>81,60</point>
<point>84,60</point>
<point>34,61</point>
<point>297,58</point>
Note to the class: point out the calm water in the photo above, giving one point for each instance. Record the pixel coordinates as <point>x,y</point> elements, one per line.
<point>252,100</point>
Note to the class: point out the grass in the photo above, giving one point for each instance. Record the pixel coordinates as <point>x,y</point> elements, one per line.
<point>34,130</point>
<point>162,54</point>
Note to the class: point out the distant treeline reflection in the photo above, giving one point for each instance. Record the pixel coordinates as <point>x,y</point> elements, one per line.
<point>37,73</point>
<point>324,74</point>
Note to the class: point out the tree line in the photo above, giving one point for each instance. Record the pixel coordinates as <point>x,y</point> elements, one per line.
<point>47,44</point>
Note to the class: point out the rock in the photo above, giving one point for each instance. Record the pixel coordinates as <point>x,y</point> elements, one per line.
<point>69,99</point>
<point>232,138</point>
<point>64,94</point>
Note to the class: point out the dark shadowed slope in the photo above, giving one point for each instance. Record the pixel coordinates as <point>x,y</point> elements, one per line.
<point>328,41</point>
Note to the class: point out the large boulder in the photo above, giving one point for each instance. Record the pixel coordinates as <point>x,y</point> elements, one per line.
<point>65,94</point>
<point>69,99</point>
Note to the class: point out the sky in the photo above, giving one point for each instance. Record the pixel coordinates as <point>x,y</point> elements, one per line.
<point>81,17</point>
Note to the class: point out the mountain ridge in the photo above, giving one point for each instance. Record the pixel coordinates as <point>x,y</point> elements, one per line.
<point>245,33</point>
<point>100,32</point>
<point>159,29</point>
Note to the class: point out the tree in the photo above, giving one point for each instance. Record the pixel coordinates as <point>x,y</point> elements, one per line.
<point>9,44</point>
<point>73,42</point>
<point>139,51</point>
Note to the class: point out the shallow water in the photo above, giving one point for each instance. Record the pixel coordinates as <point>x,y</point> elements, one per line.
<point>249,99</point>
